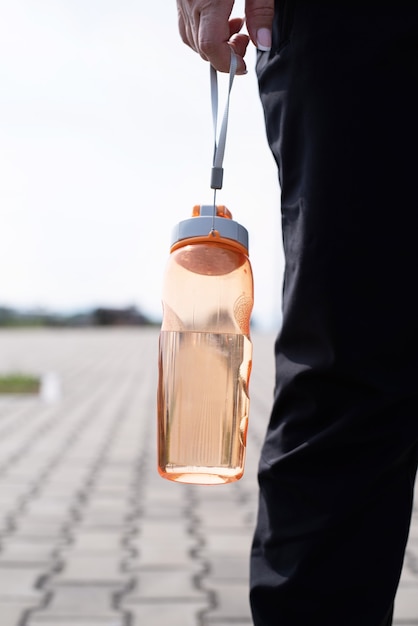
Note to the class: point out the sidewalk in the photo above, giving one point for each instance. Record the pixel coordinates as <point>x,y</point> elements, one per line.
<point>90,535</point>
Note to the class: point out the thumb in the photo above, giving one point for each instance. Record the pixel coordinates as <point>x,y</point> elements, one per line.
<point>259,16</point>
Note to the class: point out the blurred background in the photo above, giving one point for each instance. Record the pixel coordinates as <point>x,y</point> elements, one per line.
<point>106,142</point>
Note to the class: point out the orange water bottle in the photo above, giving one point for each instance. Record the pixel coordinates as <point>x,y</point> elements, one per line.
<point>205,351</point>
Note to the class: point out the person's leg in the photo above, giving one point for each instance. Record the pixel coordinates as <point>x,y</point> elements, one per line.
<point>340,93</point>
<point>389,617</point>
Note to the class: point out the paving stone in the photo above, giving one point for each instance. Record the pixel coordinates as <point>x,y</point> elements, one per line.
<point>154,550</point>
<point>78,602</point>
<point>228,543</point>
<point>166,530</point>
<point>118,495</point>
<point>409,577</point>
<point>215,495</point>
<point>164,585</point>
<point>68,477</point>
<point>92,541</point>
<point>208,621</point>
<point>101,517</point>
<point>160,555</point>
<point>232,603</point>
<point>163,507</point>
<point>21,552</point>
<point>223,516</point>
<point>18,583</point>
<point>116,476</point>
<point>11,613</point>
<point>6,524</point>
<point>57,511</point>
<point>100,501</point>
<point>55,620</point>
<point>230,568</point>
<point>83,569</point>
<point>164,613</point>
<point>406,603</point>
<point>10,493</point>
<point>413,533</point>
<point>67,494</point>
<point>157,510</point>
<point>39,525</point>
<point>38,529</point>
<point>229,622</point>
<point>13,495</point>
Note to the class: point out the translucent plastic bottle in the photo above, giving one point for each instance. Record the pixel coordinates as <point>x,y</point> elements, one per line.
<point>205,351</point>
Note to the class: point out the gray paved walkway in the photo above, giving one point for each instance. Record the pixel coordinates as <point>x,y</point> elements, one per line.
<point>90,535</point>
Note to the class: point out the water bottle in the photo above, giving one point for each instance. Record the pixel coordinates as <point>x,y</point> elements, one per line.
<point>205,351</point>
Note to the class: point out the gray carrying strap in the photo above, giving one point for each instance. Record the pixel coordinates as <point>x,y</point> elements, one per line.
<point>219,149</point>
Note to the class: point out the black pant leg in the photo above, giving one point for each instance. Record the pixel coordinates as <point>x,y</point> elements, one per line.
<point>340,94</point>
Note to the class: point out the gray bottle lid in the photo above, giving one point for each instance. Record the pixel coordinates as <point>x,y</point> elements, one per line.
<point>206,223</point>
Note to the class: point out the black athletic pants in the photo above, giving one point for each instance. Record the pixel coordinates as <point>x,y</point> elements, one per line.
<point>337,471</point>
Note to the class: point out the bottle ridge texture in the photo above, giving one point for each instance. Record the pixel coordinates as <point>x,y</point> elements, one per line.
<point>205,351</point>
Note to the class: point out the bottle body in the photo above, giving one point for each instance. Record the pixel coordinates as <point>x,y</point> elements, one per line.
<point>205,356</point>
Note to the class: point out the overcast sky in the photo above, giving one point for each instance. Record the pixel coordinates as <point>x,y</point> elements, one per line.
<point>106,142</point>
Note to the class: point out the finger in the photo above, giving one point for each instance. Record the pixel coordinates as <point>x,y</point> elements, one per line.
<point>239,44</point>
<point>237,41</point>
<point>235,25</point>
<point>217,48</point>
<point>259,16</point>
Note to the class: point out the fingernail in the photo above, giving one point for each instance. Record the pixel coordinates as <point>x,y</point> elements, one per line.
<point>264,39</point>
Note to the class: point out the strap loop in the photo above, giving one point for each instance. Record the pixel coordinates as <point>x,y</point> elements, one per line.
<point>219,148</point>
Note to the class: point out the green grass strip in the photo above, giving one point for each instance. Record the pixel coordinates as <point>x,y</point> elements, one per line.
<point>19,383</point>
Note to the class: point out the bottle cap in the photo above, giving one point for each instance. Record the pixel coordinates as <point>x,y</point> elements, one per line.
<point>205,224</point>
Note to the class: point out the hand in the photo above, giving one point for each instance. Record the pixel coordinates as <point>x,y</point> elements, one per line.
<point>206,27</point>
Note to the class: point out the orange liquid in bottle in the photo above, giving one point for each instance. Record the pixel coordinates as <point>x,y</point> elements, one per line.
<point>203,406</point>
